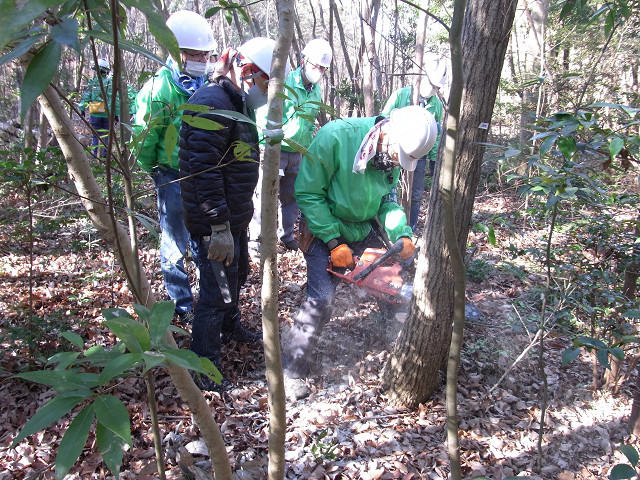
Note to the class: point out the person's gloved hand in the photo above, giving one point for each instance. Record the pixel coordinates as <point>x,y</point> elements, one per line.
<point>342,256</point>
<point>408,248</point>
<point>221,244</point>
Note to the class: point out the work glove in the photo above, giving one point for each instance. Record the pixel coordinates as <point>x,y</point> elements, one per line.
<point>342,256</point>
<point>221,244</point>
<point>408,248</point>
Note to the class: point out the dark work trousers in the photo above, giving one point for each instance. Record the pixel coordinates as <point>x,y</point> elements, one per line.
<point>101,127</point>
<point>298,346</point>
<point>212,315</point>
<point>417,189</point>
<point>289,167</point>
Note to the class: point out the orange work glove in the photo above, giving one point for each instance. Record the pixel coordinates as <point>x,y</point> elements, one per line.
<point>408,249</point>
<point>342,256</point>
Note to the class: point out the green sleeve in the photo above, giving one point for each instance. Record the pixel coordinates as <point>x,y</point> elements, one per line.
<point>436,108</point>
<point>312,184</point>
<point>394,221</point>
<point>86,96</point>
<point>145,112</point>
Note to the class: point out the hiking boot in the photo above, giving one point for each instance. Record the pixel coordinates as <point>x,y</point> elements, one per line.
<point>296,388</point>
<point>241,335</point>
<point>205,384</point>
<point>291,244</point>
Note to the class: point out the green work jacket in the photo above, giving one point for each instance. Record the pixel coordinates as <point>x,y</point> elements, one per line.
<point>402,98</point>
<point>299,111</point>
<point>158,99</point>
<point>93,93</point>
<point>335,200</point>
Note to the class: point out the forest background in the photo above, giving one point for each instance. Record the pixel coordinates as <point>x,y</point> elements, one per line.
<point>551,257</point>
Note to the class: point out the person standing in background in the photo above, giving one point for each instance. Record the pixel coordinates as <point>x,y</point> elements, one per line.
<point>157,104</point>
<point>217,191</point>
<point>429,100</point>
<point>300,108</point>
<point>93,100</point>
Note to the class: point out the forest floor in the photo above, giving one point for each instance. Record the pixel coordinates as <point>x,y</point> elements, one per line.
<point>346,429</point>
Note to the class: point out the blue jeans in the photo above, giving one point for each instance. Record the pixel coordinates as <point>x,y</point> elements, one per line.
<point>417,189</point>
<point>299,344</point>
<point>289,165</point>
<point>101,126</point>
<point>212,315</point>
<point>174,239</point>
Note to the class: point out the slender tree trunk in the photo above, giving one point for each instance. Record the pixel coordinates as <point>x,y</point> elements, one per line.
<point>447,188</point>
<point>268,252</point>
<point>411,374</point>
<point>370,65</point>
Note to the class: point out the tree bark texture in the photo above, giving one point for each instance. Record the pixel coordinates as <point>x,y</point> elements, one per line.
<point>268,251</point>
<point>411,374</point>
<point>370,64</point>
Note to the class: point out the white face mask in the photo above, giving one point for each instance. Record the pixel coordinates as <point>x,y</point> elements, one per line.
<point>195,69</point>
<point>313,74</point>
<point>254,98</point>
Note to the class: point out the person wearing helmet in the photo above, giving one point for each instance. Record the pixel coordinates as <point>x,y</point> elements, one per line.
<point>93,99</point>
<point>343,187</point>
<point>301,106</point>
<point>429,100</point>
<point>219,171</point>
<point>157,113</point>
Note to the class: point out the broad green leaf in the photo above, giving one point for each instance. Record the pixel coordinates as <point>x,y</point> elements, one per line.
<point>144,314</point>
<point>111,313</point>
<point>567,146</point>
<point>202,123</point>
<point>188,359</point>
<point>110,446</point>
<point>63,359</point>
<point>97,353</point>
<point>631,453</point>
<point>232,116</point>
<point>75,339</point>
<point>615,146</point>
<point>21,49</point>
<point>633,313</point>
<point>17,14</point>
<point>152,360</point>
<point>118,366</point>
<point>170,140</point>
<point>51,412</point>
<point>295,145</point>
<point>513,152</point>
<point>603,357</point>
<point>112,413</point>
<point>161,317</point>
<point>547,144</point>
<point>569,355</point>
<point>40,71</point>
<point>134,335</point>
<point>66,33</point>
<point>60,380</point>
<point>617,352</point>
<point>591,342</point>
<point>151,224</point>
<point>73,442</point>
<point>622,471</point>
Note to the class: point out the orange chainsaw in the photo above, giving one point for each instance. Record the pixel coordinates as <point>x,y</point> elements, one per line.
<point>379,274</point>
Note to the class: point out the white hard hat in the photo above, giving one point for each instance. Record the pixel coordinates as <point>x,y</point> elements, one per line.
<point>104,63</point>
<point>259,51</point>
<point>192,31</point>
<point>415,131</point>
<point>318,51</point>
